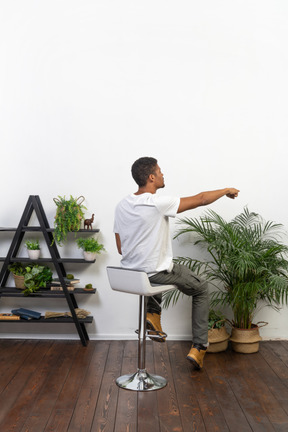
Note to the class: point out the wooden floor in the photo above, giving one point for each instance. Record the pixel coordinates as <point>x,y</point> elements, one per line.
<point>62,386</point>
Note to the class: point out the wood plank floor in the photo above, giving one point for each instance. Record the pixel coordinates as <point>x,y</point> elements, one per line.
<point>62,386</point>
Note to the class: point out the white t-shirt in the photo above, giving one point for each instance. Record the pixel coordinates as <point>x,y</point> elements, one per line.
<point>142,222</point>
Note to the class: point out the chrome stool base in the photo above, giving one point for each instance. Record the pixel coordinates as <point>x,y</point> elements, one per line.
<point>137,282</point>
<point>141,381</point>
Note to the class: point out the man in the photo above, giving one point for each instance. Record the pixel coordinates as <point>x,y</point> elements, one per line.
<point>143,239</point>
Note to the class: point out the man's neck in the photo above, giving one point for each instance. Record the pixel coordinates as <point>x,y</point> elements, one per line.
<point>146,189</point>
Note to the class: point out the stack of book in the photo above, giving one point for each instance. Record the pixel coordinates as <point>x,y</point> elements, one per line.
<point>26,314</point>
<point>56,284</point>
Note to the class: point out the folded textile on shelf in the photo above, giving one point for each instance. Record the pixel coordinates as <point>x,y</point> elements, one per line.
<point>9,316</point>
<point>80,313</point>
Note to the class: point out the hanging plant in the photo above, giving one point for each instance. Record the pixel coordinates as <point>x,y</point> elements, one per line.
<point>68,217</point>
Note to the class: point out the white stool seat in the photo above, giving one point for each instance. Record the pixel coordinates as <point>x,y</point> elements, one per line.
<point>134,282</point>
<point>137,282</point>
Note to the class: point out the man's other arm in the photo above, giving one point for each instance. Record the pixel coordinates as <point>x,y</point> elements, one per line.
<point>118,243</point>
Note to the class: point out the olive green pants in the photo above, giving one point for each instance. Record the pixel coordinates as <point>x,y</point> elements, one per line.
<point>190,284</point>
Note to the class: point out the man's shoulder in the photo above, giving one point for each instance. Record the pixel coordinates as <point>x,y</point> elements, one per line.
<point>127,198</point>
<point>147,197</point>
<point>133,198</point>
<point>124,202</point>
<point>164,199</point>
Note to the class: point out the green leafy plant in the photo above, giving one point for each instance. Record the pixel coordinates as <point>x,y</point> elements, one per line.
<point>68,217</point>
<point>246,261</point>
<point>17,268</point>
<point>216,319</point>
<point>89,286</point>
<point>32,245</point>
<point>35,276</point>
<point>90,244</point>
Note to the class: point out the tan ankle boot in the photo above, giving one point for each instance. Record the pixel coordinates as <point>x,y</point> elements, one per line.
<point>196,357</point>
<point>153,323</point>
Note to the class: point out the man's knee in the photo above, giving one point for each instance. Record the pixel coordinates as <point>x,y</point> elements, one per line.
<point>205,288</point>
<point>200,289</point>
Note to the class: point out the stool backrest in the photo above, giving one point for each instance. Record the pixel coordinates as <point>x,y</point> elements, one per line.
<point>134,282</point>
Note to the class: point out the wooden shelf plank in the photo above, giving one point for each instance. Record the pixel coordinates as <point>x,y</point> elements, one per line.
<point>43,320</point>
<point>15,292</point>
<point>44,260</point>
<point>38,228</point>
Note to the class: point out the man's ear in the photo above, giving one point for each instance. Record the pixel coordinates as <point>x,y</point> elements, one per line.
<point>151,177</point>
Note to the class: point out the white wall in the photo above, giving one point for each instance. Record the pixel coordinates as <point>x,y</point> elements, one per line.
<point>86,87</point>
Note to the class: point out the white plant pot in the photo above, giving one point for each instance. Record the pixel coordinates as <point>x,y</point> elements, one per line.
<point>89,256</point>
<point>34,254</point>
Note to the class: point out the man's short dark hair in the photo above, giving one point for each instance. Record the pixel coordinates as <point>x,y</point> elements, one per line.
<point>142,168</point>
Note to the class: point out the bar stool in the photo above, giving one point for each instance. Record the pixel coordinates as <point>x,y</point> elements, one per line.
<point>137,282</point>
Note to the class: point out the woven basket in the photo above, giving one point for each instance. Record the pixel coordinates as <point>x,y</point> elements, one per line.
<point>245,341</point>
<point>19,281</point>
<point>218,340</point>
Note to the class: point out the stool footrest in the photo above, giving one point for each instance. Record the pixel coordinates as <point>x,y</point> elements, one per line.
<point>141,381</point>
<point>154,334</point>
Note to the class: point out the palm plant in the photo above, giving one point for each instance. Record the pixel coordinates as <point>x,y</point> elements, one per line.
<point>246,262</point>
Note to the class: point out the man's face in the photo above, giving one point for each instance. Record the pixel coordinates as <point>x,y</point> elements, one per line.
<point>159,178</point>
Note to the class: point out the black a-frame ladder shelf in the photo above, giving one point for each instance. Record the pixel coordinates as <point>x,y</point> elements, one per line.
<point>34,204</point>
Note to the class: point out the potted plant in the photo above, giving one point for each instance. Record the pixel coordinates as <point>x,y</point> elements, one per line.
<point>68,217</point>
<point>90,247</point>
<point>246,262</point>
<point>33,277</point>
<point>18,272</point>
<point>33,249</point>
<point>88,287</point>
<point>36,277</point>
<point>217,333</point>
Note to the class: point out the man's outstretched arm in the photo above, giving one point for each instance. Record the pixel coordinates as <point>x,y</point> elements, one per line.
<point>205,198</point>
